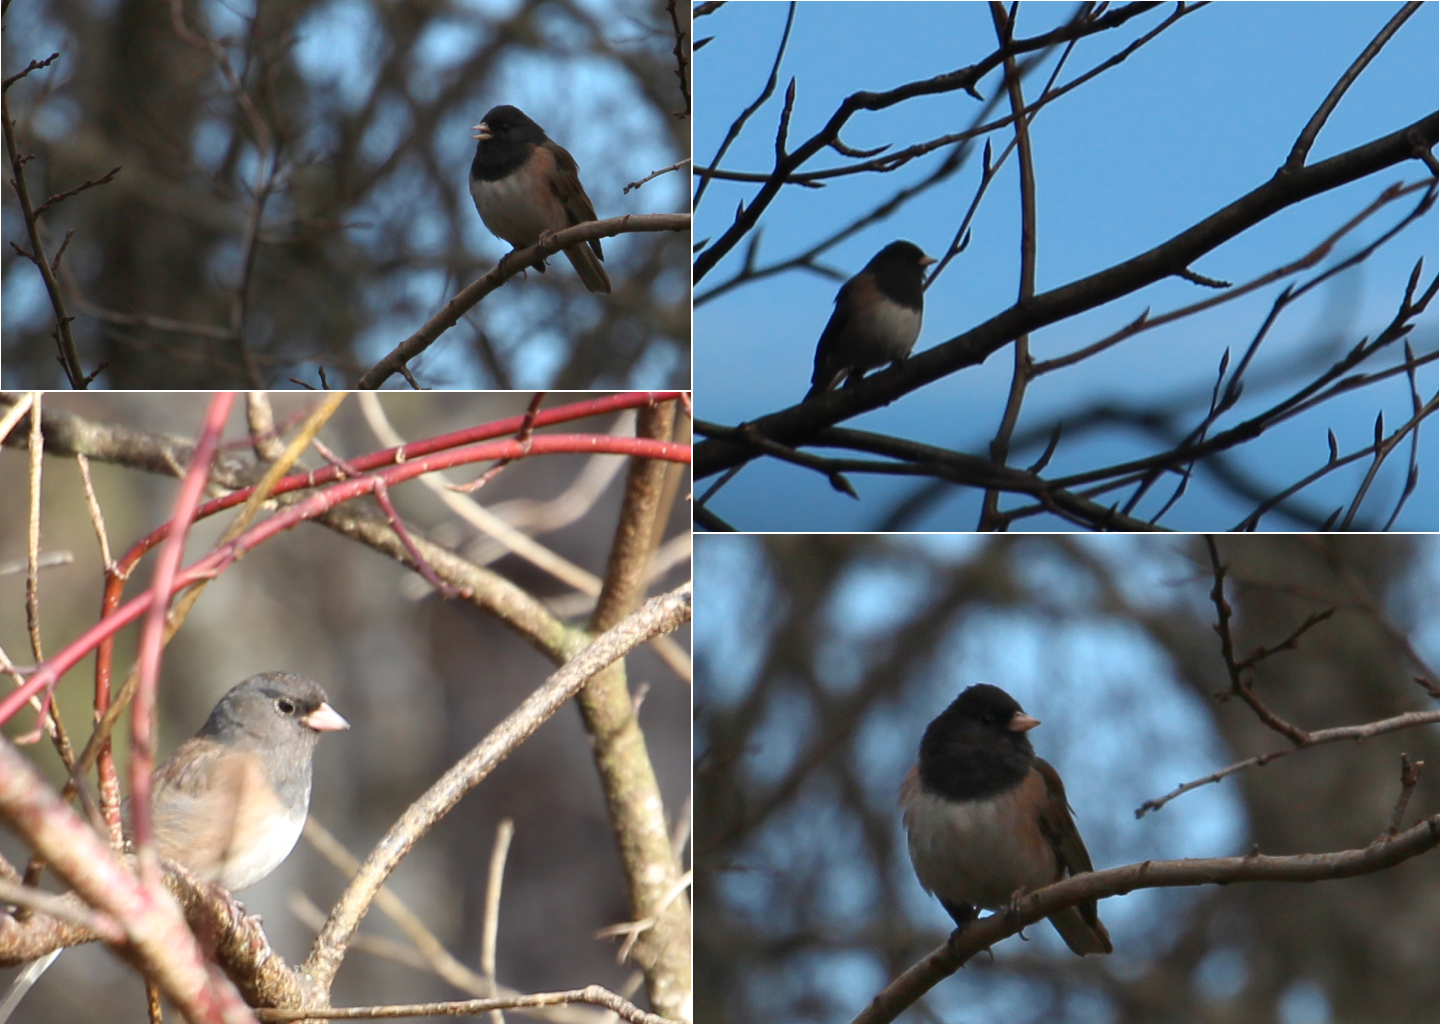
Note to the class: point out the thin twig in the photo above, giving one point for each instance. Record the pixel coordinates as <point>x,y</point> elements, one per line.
<point>69,355</point>
<point>1358,733</point>
<point>1021,373</point>
<point>32,536</point>
<point>97,517</point>
<point>655,174</point>
<point>1301,149</point>
<point>680,50</point>
<point>490,926</point>
<point>1409,776</point>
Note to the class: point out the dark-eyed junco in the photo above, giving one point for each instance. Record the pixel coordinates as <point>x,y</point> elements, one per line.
<point>987,820</point>
<point>526,186</point>
<point>230,803</point>
<point>876,319</point>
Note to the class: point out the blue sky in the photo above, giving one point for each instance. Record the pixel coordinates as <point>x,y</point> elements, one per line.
<point>1200,116</point>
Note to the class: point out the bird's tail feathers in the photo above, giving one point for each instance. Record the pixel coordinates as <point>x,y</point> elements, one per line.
<point>587,265</point>
<point>24,981</point>
<point>1082,935</point>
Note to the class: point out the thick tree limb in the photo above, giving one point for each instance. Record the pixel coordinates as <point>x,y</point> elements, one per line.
<point>901,993</point>
<point>797,424</point>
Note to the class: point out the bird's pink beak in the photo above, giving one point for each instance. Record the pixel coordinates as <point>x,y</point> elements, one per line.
<point>925,261</point>
<point>483,129</point>
<point>1021,722</point>
<point>325,719</point>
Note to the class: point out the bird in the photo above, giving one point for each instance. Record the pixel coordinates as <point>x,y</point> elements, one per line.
<point>876,318</point>
<point>987,821</point>
<point>230,803</point>
<point>526,186</point>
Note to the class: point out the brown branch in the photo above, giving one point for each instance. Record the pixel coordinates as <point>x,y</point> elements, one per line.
<point>984,933</point>
<point>511,264</point>
<point>426,952</point>
<point>593,994</point>
<point>679,52</point>
<point>488,591</point>
<point>632,793</point>
<point>960,468</point>
<point>1022,371</point>
<point>490,923</point>
<point>961,79</point>
<point>1308,134</point>
<point>69,355</point>
<point>69,434</point>
<point>233,938</point>
<point>660,615</point>
<point>653,175</point>
<point>798,424</point>
<point>1358,733</point>
<point>1409,777</point>
<point>69,923</point>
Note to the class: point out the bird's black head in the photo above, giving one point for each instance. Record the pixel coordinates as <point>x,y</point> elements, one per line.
<point>902,254</point>
<point>506,139</point>
<point>977,747</point>
<point>899,271</point>
<point>504,123</point>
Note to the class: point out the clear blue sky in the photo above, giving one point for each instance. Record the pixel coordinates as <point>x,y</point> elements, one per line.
<point>1195,119</point>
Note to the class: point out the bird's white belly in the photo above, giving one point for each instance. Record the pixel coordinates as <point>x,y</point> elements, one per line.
<point>965,853</point>
<point>516,210</point>
<point>885,333</point>
<point>240,870</point>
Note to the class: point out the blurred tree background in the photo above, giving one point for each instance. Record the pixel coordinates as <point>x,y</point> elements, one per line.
<point>367,226</point>
<point>821,659</point>
<point>421,680</point>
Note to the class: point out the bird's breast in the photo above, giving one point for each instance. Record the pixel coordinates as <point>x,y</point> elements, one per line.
<point>977,852</point>
<point>519,207</point>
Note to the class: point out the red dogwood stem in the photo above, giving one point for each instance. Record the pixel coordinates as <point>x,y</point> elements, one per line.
<point>152,638</point>
<point>217,561</point>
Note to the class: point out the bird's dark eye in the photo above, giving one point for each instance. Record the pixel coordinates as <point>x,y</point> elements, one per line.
<point>285,707</point>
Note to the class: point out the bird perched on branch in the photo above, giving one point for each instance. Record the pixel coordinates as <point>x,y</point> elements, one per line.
<point>230,803</point>
<point>526,187</point>
<point>987,820</point>
<point>876,319</point>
